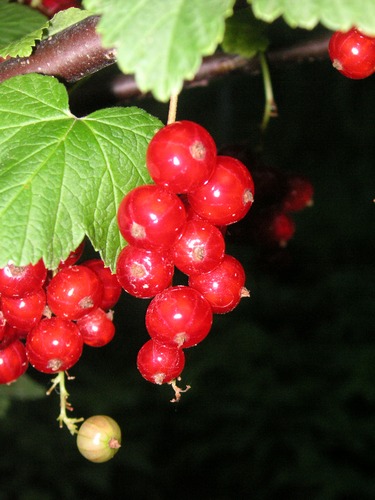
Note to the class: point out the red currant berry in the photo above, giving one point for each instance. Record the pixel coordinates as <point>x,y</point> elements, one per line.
<point>224,286</point>
<point>179,316</point>
<point>299,193</point>
<point>274,227</point>
<point>9,334</point>
<point>73,257</point>
<point>181,156</point>
<point>227,196</point>
<point>159,363</point>
<point>97,328</point>
<point>54,345</point>
<point>16,281</point>
<point>111,287</point>
<point>13,362</point>
<point>200,249</point>
<point>24,312</point>
<point>99,438</point>
<point>151,217</point>
<point>352,53</point>
<point>143,273</point>
<point>3,324</point>
<point>51,7</point>
<point>74,291</point>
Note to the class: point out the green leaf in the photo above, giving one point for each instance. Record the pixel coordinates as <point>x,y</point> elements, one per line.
<point>333,14</point>
<point>62,177</point>
<point>24,388</point>
<point>20,29</point>
<point>161,41</point>
<point>244,35</point>
<point>66,18</point>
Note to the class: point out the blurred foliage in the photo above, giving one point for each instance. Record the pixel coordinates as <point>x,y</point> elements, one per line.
<point>282,404</point>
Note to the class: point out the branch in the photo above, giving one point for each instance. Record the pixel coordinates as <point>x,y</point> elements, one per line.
<point>220,64</point>
<point>69,55</point>
<point>76,52</point>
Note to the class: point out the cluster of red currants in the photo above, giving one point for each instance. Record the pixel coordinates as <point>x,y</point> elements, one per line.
<point>179,222</point>
<point>352,53</point>
<point>47,318</point>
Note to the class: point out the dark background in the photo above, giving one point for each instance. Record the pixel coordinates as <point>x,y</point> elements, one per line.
<point>282,403</point>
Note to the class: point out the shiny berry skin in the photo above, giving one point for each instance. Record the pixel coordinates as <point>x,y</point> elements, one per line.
<point>352,53</point>
<point>13,362</point>
<point>99,438</point>
<point>200,249</point>
<point>299,193</point>
<point>97,328</point>
<point>143,273</point>
<point>74,256</point>
<point>151,217</point>
<point>111,287</point>
<point>54,345</point>
<point>24,312</point>
<point>224,286</point>
<point>179,316</point>
<point>74,291</point>
<point>227,196</point>
<point>16,281</point>
<point>159,363</point>
<point>181,156</point>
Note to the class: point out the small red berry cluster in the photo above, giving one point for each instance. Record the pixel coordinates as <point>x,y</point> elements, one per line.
<point>273,221</point>
<point>352,53</point>
<point>280,194</point>
<point>46,319</point>
<point>178,222</point>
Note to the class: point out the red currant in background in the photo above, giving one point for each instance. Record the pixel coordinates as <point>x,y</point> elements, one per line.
<point>151,217</point>
<point>13,361</point>
<point>181,156</point>
<point>54,345</point>
<point>74,291</point>
<point>299,193</point>
<point>179,316</point>
<point>352,53</point>
<point>227,196</point>
<point>51,7</point>
<point>143,273</point>
<point>74,256</point>
<point>273,227</point>
<point>97,328</point>
<point>111,287</point>
<point>224,286</point>
<point>24,312</point>
<point>200,249</point>
<point>16,281</point>
<point>159,363</point>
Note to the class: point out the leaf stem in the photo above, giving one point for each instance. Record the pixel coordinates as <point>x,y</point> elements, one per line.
<point>172,112</point>
<point>270,107</point>
<point>71,423</point>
